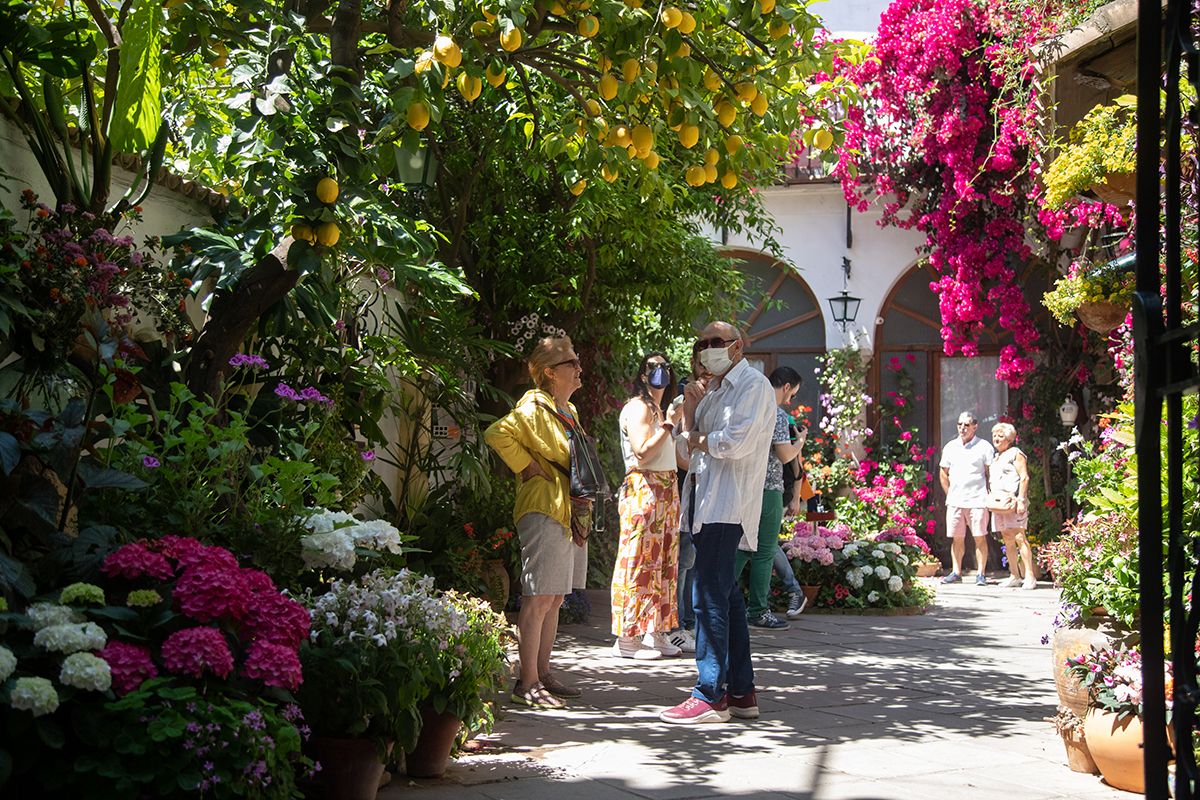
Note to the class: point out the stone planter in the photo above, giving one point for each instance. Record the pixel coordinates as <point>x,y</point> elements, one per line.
<point>1116,747</point>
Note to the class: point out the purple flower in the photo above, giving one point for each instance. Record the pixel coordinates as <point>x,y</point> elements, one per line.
<point>251,361</point>
<point>287,392</point>
<point>150,462</point>
<point>368,455</point>
<point>312,394</point>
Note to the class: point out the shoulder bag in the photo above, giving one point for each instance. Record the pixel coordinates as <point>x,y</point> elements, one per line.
<point>998,500</point>
<point>586,480</point>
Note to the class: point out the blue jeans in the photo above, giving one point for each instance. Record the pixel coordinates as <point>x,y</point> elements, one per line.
<point>687,575</point>
<point>783,568</point>
<point>722,636</point>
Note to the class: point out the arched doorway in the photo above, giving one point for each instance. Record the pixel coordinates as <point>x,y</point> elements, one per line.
<point>785,327</point>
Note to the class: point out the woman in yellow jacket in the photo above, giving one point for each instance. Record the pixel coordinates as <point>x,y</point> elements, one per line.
<point>532,441</point>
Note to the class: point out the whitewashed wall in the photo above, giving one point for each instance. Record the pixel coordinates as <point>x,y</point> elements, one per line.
<point>850,17</point>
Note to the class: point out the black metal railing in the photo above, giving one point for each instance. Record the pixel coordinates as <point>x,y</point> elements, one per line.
<point>1165,370</point>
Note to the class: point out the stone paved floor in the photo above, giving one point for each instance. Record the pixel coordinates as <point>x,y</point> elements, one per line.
<point>946,705</point>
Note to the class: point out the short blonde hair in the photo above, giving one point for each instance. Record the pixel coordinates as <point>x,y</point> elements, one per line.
<point>1005,428</point>
<point>548,351</point>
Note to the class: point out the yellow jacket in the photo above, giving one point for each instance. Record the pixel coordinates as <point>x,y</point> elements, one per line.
<point>527,433</point>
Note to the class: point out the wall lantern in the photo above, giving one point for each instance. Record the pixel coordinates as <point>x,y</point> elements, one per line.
<point>416,166</point>
<point>1068,412</point>
<point>845,306</point>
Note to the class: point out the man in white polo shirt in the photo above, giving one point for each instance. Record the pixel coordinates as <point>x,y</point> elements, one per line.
<point>964,473</point>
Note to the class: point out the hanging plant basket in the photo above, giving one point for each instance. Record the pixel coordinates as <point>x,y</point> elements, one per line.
<point>1118,188</point>
<point>1101,316</point>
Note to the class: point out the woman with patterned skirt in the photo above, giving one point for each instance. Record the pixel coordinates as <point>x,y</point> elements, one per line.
<point>644,581</point>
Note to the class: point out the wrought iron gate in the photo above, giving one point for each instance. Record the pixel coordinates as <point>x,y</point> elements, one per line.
<point>1165,369</point>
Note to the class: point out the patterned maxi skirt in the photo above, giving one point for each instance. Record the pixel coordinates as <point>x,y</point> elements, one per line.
<point>644,580</point>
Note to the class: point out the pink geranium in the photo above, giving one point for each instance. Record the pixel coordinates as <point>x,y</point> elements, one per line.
<point>130,665</point>
<point>194,651</point>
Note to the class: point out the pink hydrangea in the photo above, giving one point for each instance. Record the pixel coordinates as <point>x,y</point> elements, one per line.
<point>135,560</point>
<point>193,553</point>
<point>273,664</point>
<point>258,582</point>
<point>208,592</point>
<point>272,617</point>
<point>130,665</point>
<point>194,651</point>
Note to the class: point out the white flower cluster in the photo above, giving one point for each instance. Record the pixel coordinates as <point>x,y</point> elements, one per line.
<point>85,671</point>
<point>43,615</point>
<point>71,637</point>
<point>895,583</point>
<point>336,536</point>
<point>885,556</point>
<point>8,663</point>
<point>36,695</point>
<point>526,328</point>
<point>384,608</point>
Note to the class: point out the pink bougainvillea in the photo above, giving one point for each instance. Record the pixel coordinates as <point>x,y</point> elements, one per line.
<point>950,106</point>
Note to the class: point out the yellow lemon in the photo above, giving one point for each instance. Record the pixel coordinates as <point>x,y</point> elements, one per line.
<point>510,40</point>
<point>469,86</point>
<point>634,3</point>
<point>733,144</point>
<point>726,113</point>
<point>694,176</point>
<point>710,173</point>
<point>327,190</point>
<point>601,128</point>
<point>610,173</point>
<point>643,137</point>
<point>778,28</point>
<point>823,139</point>
<point>630,70</point>
<point>424,61</point>
<point>759,104</point>
<point>557,9</point>
<point>604,63</point>
<point>495,74</point>
<point>592,107</point>
<point>712,81</point>
<point>578,187</point>
<point>689,135</point>
<point>711,157</point>
<point>687,24</point>
<point>582,5</point>
<point>651,160</point>
<point>303,232</point>
<point>766,6</point>
<point>482,29</point>
<point>222,55</point>
<point>608,87</point>
<point>671,17</point>
<point>488,15</point>
<point>417,115</point>
<point>328,234</point>
<point>747,91</point>
<point>729,179</point>
<point>624,137</point>
<point>684,51</point>
<point>446,51</point>
<point>589,26</point>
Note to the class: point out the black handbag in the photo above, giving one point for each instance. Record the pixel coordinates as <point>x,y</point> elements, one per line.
<point>586,480</point>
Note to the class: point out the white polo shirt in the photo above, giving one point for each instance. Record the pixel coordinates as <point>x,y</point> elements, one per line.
<point>967,464</point>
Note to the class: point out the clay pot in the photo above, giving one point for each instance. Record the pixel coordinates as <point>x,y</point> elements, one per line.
<point>1116,747</point>
<point>431,755</point>
<point>810,594</point>
<point>350,769</point>
<point>1079,757</point>
<point>928,570</point>
<point>1071,643</point>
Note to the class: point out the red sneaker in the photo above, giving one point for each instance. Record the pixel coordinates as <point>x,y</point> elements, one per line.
<point>744,707</point>
<point>694,711</point>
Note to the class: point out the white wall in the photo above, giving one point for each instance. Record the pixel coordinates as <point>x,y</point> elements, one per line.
<point>850,17</point>
<point>813,219</point>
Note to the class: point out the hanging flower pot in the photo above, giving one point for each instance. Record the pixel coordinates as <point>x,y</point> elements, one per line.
<point>1101,316</point>
<point>1117,188</point>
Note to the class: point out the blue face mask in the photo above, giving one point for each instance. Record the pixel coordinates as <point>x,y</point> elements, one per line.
<point>659,377</point>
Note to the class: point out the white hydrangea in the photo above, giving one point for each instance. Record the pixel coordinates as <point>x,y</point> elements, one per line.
<point>377,534</point>
<point>44,615</point>
<point>895,583</point>
<point>8,663</point>
<point>890,547</point>
<point>854,578</point>
<point>866,570</point>
<point>903,559</point>
<point>877,553</point>
<point>849,550</point>
<point>882,572</point>
<point>85,671</point>
<point>323,520</point>
<point>333,549</point>
<point>873,597</point>
<point>35,695</point>
<point>336,534</point>
<point>71,638</point>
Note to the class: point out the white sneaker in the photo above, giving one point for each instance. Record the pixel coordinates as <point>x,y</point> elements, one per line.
<point>1030,583</point>
<point>629,647</point>
<point>683,639</point>
<point>659,642</point>
<point>1011,583</point>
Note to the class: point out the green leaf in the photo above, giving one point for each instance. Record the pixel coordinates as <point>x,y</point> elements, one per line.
<point>137,110</point>
<point>10,452</point>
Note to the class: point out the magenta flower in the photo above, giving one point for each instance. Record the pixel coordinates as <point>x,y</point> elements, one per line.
<point>150,462</point>
<point>274,665</point>
<point>130,665</point>
<point>194,651</point>
<point>135,560</point>
<point>208,592</point>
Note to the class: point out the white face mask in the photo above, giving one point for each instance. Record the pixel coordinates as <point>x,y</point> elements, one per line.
<point>716,360</point>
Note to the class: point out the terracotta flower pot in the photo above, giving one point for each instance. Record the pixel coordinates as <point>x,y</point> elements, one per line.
<point>1079,757</point>
<point>810,593</point>
<point>1116,747</point>
<point>350,769</point>
<point>431,755</point>
<point>928,570</point>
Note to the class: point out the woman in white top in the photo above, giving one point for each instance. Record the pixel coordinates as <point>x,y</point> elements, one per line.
<point>1009,475</point>
<point>644,580</point>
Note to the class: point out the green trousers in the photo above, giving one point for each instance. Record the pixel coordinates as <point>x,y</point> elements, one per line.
<point>762,559</point>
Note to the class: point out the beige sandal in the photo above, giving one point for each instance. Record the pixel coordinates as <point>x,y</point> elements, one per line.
<point>559,689</point>
<point>535,696</point>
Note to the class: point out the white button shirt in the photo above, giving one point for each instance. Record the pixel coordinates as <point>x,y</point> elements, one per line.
<point>738,418</point>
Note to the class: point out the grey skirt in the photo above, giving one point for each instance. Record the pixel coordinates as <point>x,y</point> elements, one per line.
<point>550,561</point>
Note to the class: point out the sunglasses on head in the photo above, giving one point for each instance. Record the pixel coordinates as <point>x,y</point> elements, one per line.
<point>716,341</point>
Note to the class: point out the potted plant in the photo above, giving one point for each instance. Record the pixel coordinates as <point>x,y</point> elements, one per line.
<point>470,676</point>
<point>878,575</point>
<point>1096,293</point>
<point>811,550</point>
<point>373,657</point>
<point>1069,726</point>
<point>924,563</point>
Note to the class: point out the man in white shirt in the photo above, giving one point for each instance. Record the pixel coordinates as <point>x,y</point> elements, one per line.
<point>964,473</point>
<point>729,422</point>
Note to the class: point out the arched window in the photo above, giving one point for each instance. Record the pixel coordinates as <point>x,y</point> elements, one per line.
<point>785,327</point>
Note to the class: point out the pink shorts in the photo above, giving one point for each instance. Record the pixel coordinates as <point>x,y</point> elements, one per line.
<point>959,519</point>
